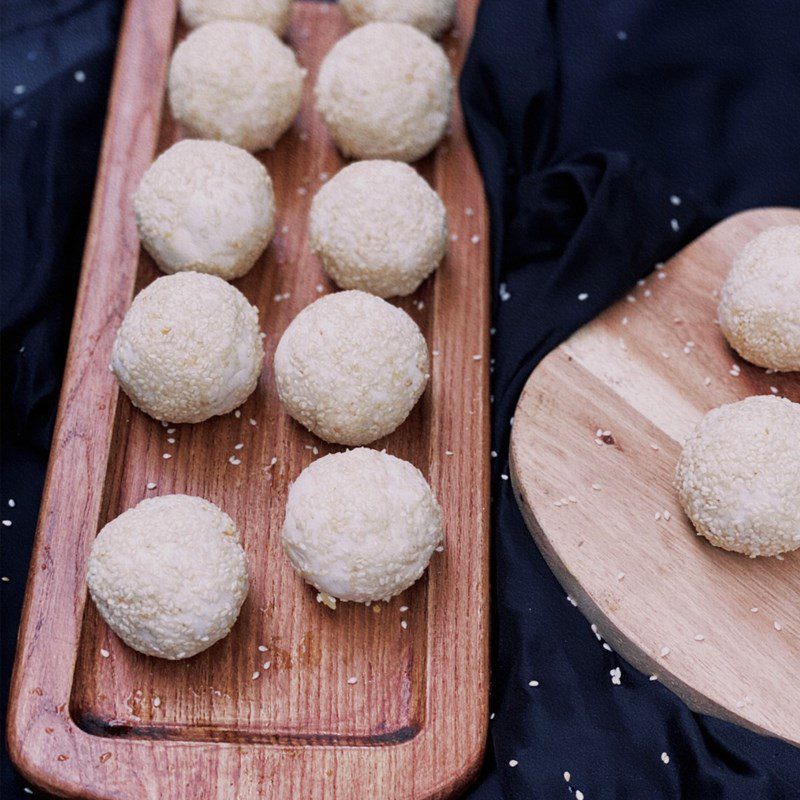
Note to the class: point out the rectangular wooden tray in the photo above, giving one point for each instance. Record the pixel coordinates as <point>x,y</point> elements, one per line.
<point>90,717</point>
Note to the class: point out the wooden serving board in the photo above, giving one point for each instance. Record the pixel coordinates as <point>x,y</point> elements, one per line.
<point>650,583</point>
<point>90,717</point>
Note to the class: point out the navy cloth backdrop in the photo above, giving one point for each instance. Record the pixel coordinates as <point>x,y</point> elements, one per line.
<point>587,118</point>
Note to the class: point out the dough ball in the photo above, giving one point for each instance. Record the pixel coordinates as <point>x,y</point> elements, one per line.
<point>738,477</point>
<point>759,312</point>
<point>385,91</point>
<point>189,348</point>
<point>272,14</point>
<point>350,367</point>
<point>235,81</point>
<point>433,17</point>
<point>207,207</point>
<point>361,525</point>
<point>377,226</point>
<point>169,575</point>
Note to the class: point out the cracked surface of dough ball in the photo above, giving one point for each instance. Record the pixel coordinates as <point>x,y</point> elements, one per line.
<point>169,575</point>
<point>433,17</point>
<point>236,82</point>
<point>385,91</point>
<point>738,476</point>
<point>272,14</point>
<point>350,367</point>
<point>189,348</point>
<point>205,206</point>
<point>361,525</point>
<point>759,310</point>
<point>377,226</point>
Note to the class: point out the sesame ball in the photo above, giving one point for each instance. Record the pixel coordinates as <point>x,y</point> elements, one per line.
<point>205,206</point>
<point>169,575</point>
<point>237,82</point>
<point>377,226</point>
<point>350,367</point>
<point>759,310</point>
<point>385,91</point>
<point>738,477</point>
<point>433,17</point>
<point>361,526</point>
<point>272,14</point>
<point>189,348</point>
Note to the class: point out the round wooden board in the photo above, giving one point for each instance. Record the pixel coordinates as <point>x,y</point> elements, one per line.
<point>650,583</point>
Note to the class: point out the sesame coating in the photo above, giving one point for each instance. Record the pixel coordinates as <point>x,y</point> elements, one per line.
<point>169,575</point>
<point>237,82</point>
<point>433,17</point>
<point>379,227</point>
<point>189,348</point>
<point>205,206</point>
<point>361,525</point>
<point>738,476</point>
<point>385,91</point>
<point>759,310</point>
<point>272,14</point>
<point>350,367</point>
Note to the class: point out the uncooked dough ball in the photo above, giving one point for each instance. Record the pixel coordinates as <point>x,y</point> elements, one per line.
<point>738,477</point>
<point>759,312</point>
<point>384,91</point>
<point>379,227</point>
<point>169,575</point>
<point>272,14</point>
<point>361,526</point>
<point>433,17</point>
<point>189,348</point>
<point>235,81</point>
<point>350,367</point>
<point>205,206</point>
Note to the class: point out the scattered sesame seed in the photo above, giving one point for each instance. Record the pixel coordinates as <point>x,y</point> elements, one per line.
<point>475,238</point>
<point>491,716</point>
<point>5,579</point>
<point>664,354</point>
<point>648,293</point>
<point>252,422</point>
<point>567,776</point>
<point>104,652</point>
<point>11,503</point>
<point>673,223</point>
<point>156,701</point>
<point>622,35</point>
<point>170,440</point>
<point>302,191</point>
<point>572,601</point>
<point>166,455</point>
<point>655,447</point>
<point>754,609</point>
<point>777,626</point>
<point>80,76</point>
<point>403,609</point>
<point>170,431</point>
<point>667,516</point>
<point>597,487</point>
<point>630,298</point>
<point>468,211</point>
<point>533,683</point>
<point>707,381</point>
<point>238,446</point>
<point>653,678</point>
<point>27,790</point>
<point>235,461</point>
<point>583,296</point>
<point>657,516</point>
<point>513,762</point>
<point>665,758</point>
<point>19,89</point>
<point>773,389</point>
<point>572,498</point>
<point>578,794</point>
<point>503,477</point>
<point>675,200</point>
<point>493,454</point>
<point>665,651</point>
<point>607,646</point>
<point>262,648</point>
<point>625,320</point>
<point>7,523</point>
<point>620,576</point>
<point>403,624</point>
<point>255,676</point>
<point>152,485</point>
<point>266,665</point>
<point>237,413</point>
<point>699,637</point>
<point>616,676</point>
<point>477,357</point>
<point>352,679</point>
<point>453,237</point>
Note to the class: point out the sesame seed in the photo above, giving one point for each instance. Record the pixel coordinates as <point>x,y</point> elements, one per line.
<point>170,440</point>
<point>255,676</point>
<point>152,485</point>
<point>104,652</point>
<point>477,357</point>
<point>616,676</point>
<point>675,200</point>
<point>302,191</point>
<point>625,320</point>
<point>707,381</point>
<point>5,579</point>
<point>166,455</point>
<point>266,665</point>
<point>491,716</point>
<point>754,609</point>
<point>653,678</point>
<point>238,446</point>
<point>170,431</point>
<point>607,646</point>
<point>597,487</point>
<point>773,389</point>
<point>262,648</point>
<point>513,762</point>
<point>449,452</point>
<point>11,503</point>
<point>673,223</point>
<point>156,701</point>
<point>403,624</point>
<point>403,609</point>
<point>665,758</point>
<point>699,637</point>
<point>235,461</point>
<point>475,239</point>
<point>533,683</point>
<point>657,516</point>
<point>567,776</point>
<point>654,447</point>
<point>583,296</point>
<point>665,651</point>
<point>27,790</point>
<point>252,422</point>
<point>630,298</point>
<point>503,477</point>
<point>777,626</point>
<point>578,794</point>
<point>622,35</point>
<point>352,679</point>
<point>493,454</point>
<point>19,89</point>
<point>7,523</point>
<point>648,293</point>
<point>237,413</point>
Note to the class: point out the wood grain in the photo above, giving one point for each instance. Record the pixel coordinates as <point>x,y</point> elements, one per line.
<point>129,726</point>
<point>649,583</point>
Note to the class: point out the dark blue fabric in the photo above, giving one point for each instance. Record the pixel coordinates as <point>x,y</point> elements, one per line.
<point>587,117</point>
